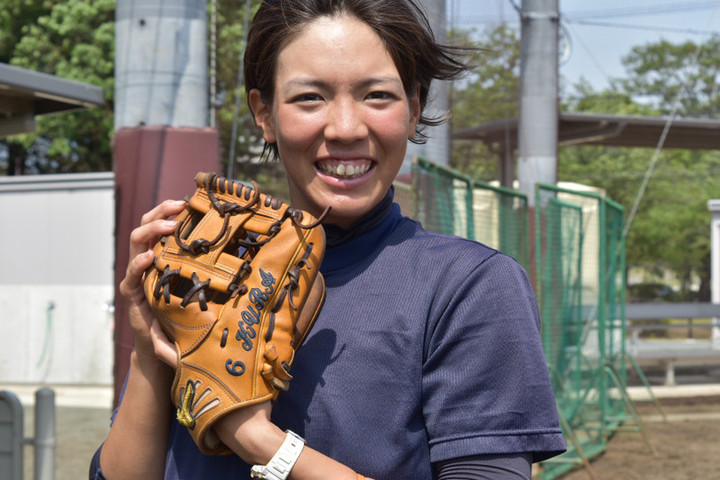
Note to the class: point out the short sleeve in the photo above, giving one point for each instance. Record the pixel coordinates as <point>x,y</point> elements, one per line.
<point>486,387</point>
<point>95,472</point>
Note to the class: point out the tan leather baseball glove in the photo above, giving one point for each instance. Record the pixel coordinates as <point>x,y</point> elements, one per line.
<point>237,288</point>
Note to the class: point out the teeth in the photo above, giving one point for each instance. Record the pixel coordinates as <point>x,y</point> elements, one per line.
<point>337,169</point>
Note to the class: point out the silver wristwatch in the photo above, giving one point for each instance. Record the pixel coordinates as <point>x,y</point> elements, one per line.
<point>283,461</point>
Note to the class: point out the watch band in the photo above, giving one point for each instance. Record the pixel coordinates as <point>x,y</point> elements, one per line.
<point>283,461</point>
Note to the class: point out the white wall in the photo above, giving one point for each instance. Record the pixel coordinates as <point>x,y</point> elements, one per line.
<point>56,278</point>
<point>714,207</point>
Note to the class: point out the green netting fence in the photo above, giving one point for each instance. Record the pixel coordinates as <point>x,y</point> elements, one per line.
<point>577,270</point>
<point>448,202</point>
<point>580,286</point>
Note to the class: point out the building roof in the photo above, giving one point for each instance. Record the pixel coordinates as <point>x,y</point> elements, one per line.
<point>25,94</point>
<point>611,130</point>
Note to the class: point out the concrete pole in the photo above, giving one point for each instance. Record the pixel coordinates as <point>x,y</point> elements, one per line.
<point>161,63</point>
<point>714,207</point>
<point>161,116</point>
<point>538,122</point>
<point>437,147</point>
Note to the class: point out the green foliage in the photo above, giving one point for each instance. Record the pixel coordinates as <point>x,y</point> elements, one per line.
<point>670,231</point>
<point>15,15</point>
<point>74,39</point>
<point>661,72</point>
<point>490,93</point>
<point>230,49</point>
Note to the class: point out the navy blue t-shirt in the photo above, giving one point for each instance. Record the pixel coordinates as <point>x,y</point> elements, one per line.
<point>427,349</point>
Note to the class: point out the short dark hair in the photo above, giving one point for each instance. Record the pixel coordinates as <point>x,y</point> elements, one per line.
<point>401,24</point>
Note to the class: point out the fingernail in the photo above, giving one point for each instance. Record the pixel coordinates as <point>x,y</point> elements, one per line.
<point>169,224</point>
<point>178,203</point>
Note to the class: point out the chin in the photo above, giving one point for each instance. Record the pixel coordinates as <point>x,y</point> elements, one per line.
<point>346,217</point>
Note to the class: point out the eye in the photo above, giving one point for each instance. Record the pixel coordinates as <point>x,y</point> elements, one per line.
<point>381,95</point>
<point>307,98</point>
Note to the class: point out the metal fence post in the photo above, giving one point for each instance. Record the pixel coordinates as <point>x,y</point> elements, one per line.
<point>11,436</point>
<point>44,434</point>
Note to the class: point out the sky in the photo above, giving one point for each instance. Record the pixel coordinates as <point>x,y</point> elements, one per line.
<point>601,32</point>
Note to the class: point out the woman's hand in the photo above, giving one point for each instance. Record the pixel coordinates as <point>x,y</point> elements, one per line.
<point>150,341</point>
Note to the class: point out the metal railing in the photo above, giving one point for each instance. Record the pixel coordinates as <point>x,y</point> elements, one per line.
<point>12,436</point>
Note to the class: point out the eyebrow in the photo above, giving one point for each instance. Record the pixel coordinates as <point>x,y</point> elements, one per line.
<point>318,83</point>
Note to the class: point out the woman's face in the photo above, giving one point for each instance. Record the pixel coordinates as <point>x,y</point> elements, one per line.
<point>340,117</point>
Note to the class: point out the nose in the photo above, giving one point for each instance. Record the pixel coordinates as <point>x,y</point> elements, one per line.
<point>345,122</point>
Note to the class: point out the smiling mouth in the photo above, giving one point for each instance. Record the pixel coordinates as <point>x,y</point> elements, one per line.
<point>344,169</point>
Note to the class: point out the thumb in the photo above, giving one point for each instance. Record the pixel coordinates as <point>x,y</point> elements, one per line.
<point>164,348</point>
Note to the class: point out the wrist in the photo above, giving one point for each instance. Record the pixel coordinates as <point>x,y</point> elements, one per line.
<point>250,434</point>
<point>283,461</point>
<point>149,362</point>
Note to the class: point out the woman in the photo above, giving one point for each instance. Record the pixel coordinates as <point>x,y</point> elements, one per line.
<point>425,361</point>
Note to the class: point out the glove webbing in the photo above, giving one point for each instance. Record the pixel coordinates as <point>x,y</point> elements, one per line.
<point>226,210</point>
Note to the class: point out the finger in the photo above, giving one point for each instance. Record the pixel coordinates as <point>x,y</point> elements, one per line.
<point>164,210</point>
<point>164,349</point>
<point>145,236</point>
<point>131,285</point>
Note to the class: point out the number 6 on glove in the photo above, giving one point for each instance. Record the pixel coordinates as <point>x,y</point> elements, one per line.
<point>237,288</point>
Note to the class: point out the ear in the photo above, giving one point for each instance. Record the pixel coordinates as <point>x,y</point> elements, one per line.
<point>415,111</point>
<point>263,115</point>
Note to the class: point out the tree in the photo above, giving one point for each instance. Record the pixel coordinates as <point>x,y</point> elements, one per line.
<point>230,49</point>
<point>671,228</point>
<point>489,93</point>
<point>662,72</point>
<point>73,39</point>
<point>14,16</point>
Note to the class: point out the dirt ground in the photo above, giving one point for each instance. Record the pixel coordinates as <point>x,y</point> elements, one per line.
<point>687,445</point>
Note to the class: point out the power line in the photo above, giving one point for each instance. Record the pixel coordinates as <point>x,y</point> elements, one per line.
<point>592,57</point>
<point>688,31</point>
<point>644,10</point>
<point>585,15</point>
<point>515,5</point>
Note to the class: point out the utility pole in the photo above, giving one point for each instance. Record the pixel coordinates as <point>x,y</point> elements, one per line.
<point>437,147</point>
<point>161,115</point>
<point>538,121</point>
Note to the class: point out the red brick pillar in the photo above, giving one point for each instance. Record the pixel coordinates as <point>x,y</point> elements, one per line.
<point>151,164</point>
